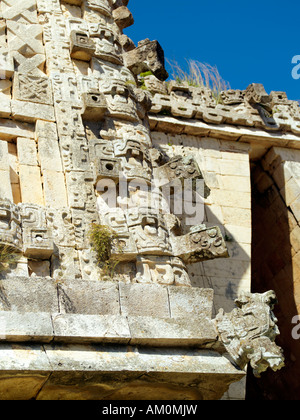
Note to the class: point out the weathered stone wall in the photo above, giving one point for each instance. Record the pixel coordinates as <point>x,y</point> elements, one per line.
<point>276,239</point>
<point>226,170</point>
<point>75,111</point>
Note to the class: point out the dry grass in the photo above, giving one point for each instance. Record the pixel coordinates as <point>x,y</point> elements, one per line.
<point>200,75</point>
<point>8,256</point>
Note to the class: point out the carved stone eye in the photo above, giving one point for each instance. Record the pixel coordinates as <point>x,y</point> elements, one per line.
<point>218,242</point>
<point>109,167</point>
<point>212,233</point>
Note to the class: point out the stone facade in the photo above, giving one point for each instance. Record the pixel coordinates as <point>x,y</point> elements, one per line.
<point>85,141</point>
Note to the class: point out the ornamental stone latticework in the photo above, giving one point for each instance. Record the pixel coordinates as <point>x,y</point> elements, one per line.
<point>86,141</point>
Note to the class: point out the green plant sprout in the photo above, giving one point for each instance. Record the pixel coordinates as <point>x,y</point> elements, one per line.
<point>103,239</point>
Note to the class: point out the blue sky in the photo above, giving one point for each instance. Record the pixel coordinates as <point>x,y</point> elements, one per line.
<point>249,41</point>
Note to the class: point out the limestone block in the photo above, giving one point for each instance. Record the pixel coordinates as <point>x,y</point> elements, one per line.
<point>37,243</point>
<point>66,94</point>
<point>26,39</point>
<point>65,264</point>
<point>178,168</point>
<point>82,46</point>
<point>37,238</point>
<point>10,129</point>
<point>157,270</point>
<point>89,297</point>
<point>90,328</point>
<point>192,331</point>
<point>80,188</point>
<point>4,156</point>
<point>88,265</point>
<point>239,251</point>
<point>26,327</point>
<point>147,56</point>
<point>95,106</point>
<point>181,277</point>
<point>151,238</point>
<point>6,63</point>
<point>235,183</point>
<point>199,245</point>
<point>82,221</point>
<point>144,300</point>
<point>295,206</point>
<point>233,97</point>
<point>48,6</point>
<point>237,216</point>
<point>101,6</point>
<point>123,17</point>
<point>230,269</point>
<point>32,88</point>
<point>16,192</point>
<point>23,11</point>
<point>257,342</point>
<point>61,224</point>
<point>256,94</point>
<point>75,153</point>
<point>70,370</point>
<point>120,99</point>
<point>108,45</point>
<point>10,227</point>
<point>291,191</point>
<point>49,154</point>
<point>27,152</point>
<point>191,302</point>
<point>31,112</point>
<point>5,96</point>
<point>58,57</point>
<point>74,2</point>
<point>13,163</point>
<point>3,34</point>
<point>235,199</point>
<point>5,186</point>
<point>55,189</point>
<point>234,167</point>
<point>295,238</point>
<point>30,65</point>
<point>28,295</point>
<point>124,248</point>
<point>31,184</point>
<point>5,107</point>
<point>39,268</point>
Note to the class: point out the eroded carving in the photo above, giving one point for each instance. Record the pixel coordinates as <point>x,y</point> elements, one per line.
<point>249,332</point>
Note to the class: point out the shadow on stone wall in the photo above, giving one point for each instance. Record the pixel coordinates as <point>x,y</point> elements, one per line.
<point>273,269</point>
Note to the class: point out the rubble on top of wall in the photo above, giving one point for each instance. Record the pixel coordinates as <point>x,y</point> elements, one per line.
<point>252,107</point>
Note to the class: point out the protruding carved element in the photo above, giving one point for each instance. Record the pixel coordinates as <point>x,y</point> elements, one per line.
<point>82,46</point>
<point>148,56</point>
<point>200,244</point>
<point>249,332</point>
<point>256,94</point>
<point>37,238</point>
<point>177,168</point>
<point>95,106</point>
<point>232,97</point>
<point>123,17</point>
<point>100,6</point>
<point>10,225</point>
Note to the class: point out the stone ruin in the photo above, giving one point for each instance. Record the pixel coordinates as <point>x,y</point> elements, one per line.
<point>85,140</point>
